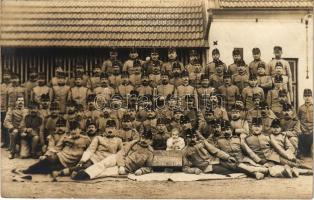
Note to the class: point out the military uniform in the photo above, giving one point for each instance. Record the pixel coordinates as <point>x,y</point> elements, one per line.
<point>30,84</point>
<point>248,95</point>
<point>240,80</point>
<point>216,80</point>
<point>210,68</point>
<point>254,65</point>
<point>229,92</point>
<point>79,94</point>
<point>40,90</point>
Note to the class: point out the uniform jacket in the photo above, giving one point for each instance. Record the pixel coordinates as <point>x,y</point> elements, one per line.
<point>254,64</point>
<point>15,118</point>
<point>210,68</point>
<point>128,135</point>
<point>160,140</point>
<point>125,90</point>
<point>165,90</point>
<point>60,94</point>
<point>216,80</point>
<point>247,94</point>
<point>40,90</point>
<point>286,67</point>
<point>4,96</point>
<point>240,80</point>
<point>115,80</point>
<point>229,92</point>
<point>265,82</point>
<point>305,116</point>
<point>282,145</point>
<point>233,69</point>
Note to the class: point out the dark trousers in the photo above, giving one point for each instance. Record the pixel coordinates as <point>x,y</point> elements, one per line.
<point>45,166</point>
<point>5,139</point>
<point>305,144</point>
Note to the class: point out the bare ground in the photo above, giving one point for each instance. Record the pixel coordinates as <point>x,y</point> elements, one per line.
<point>123,188</point>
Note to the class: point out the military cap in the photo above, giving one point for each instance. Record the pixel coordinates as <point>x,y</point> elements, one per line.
<point>275,123</point>
<point>184,73</point>
<point>172,50</point>
<point>45,97</point>
<point>277,48</point>
<point>263,105</point>
<point>257,96</point>
<point>61,122</point>
<point>74,125</point>
<point>134,93</point>
<point>257,121</point>
<point>147,134</point>
<point>111,123</point>
<point>215,51</point>
<point>203,77</point>
<point>61,74</point>
<point>279,64</point>
<point>126,118</point>
<point>184,119</point>
<point>193,52</point>
<point>286,107</point>
<point>278,78</point>
<point>41,75</point>
<point>137,63</point>
<point>176,65</point>
<point>225,124</point>
<point>90,121</point>
<point>256,50</point>
<point>133,50</point>
<point>33,105</point>
<point>252,77</point>
<point>54,106</point>
<point>104,75</point>
<point>116,63</point>
<point>15,76</point>
<point>154,52</point>
<point>307,92</point>
<point>177,110</point>
<point>236,52</point>
<point>90,97</point>
<point>125,74</point>
<point>282,93</point>
<point>161,120</point>
<point>261,64</point>
<point>226,75</point>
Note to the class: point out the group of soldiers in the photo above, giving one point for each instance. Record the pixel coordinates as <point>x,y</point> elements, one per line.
<point>238,118</point>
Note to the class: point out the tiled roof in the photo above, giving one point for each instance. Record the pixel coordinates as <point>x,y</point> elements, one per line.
<point>127,23</point>
<point>266,3</point>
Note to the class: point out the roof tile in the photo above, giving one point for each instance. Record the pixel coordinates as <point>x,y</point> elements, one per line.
<point>266,3</point>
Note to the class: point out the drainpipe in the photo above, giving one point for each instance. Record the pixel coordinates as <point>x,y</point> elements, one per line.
<point>306,21</point>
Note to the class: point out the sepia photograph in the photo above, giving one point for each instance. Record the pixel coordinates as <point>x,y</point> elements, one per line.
<point>156,99</point>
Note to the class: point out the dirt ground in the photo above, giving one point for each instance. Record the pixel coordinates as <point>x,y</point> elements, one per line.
<point>123,188</point>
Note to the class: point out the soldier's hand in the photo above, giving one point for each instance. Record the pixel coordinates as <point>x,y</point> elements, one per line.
<point>42,157</point>
<point>121,170</point>
<point>232,159</point>
<point>138,172</point>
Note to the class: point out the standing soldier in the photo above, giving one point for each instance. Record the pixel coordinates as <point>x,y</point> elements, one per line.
<point>263,80</point>
<point>216,79</point>
<point>107,64</point>
<point>241,78</point>
<point>115,77</point>
<point>185,89</point>
<point>104,89</point>
<point>305,115</point>
<point>145,88</point>
<point>58,74</point>
<point>30,84</point>
<point>286,82</point>
<point>60,92</point>
<point>253,66</point>
<point>41,89</point>
<point>285,64</point>
<point>249,91</point>
<point>125,87</point>
<point>229,91</point>
<point>15,90</point>
<point>129,64</point>
<point>78,93</point>
<point>172,58</point>
<point>4,105</point>
<point>155,74</point>
<point>95,79</point>
<point>165,88</point>
<point>210,69</point>
<point>175,77</point>
<point>136,73</point>
<point>204,91</point>
<point>233,68</point>
<point>80,71</point>
<point>193,61</point>
<point>195,76</point>
<point>13,122</point>
<point>154,59</point>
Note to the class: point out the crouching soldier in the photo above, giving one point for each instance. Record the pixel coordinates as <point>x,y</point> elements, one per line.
<point>232,144</point>
<point>13,122</point>
<point>199,156</point>
<point>30,137</point>
<point>70,148</point>
<point>135,157</point>
<point>285,149</point>
<point>259,149</point>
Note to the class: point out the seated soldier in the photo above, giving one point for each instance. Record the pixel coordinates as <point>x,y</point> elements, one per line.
<point>127,132</point>
<point>91,128</point>
<point>251,90</point>
<point>199,156</point>
<point>161,135</point>
<point>135,157</point>
<point>33,123</point>
<point>232,144</point>
<point>291,126</point>
<point>70,149</point>
<point>258,148</point>
<point>216,133</point>
<point>240,126</point>
<point>216,105</point>
<point>175,142</point>
<point>285,149</point>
